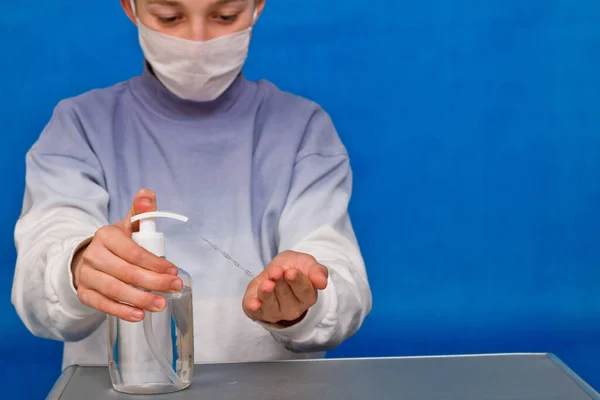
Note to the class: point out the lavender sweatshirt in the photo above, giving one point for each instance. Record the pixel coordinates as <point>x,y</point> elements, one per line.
<point>258,171</point>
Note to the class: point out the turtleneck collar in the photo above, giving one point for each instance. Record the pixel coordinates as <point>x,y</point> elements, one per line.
<point>154,95</point>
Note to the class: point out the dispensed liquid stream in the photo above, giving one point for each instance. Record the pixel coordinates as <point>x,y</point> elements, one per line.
<point>227,256</point>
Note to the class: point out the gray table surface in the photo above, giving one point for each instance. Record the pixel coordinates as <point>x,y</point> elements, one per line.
<point>484,377</point>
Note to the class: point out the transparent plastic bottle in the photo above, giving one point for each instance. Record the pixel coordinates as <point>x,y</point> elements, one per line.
<point>156,355</point>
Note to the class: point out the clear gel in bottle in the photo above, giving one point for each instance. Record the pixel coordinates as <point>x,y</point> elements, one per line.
<point>156,355</point>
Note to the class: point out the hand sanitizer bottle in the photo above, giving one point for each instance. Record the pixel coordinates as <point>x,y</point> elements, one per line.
<point>155,356</point>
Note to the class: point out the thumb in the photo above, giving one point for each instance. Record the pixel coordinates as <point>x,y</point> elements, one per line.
<point>144,201</point>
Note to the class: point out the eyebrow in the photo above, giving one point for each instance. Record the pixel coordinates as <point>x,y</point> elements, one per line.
<point>175,3</point>
<point>170,3</point>
<point>221,3</point>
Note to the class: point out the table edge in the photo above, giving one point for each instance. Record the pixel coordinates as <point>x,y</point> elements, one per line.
<point>62,382</point>
<point>583,385</point>
<point>68,372</point>
<point>446,356</point>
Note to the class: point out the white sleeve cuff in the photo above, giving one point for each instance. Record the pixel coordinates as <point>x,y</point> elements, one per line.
<point>303,330</point>
<point>62,279</point>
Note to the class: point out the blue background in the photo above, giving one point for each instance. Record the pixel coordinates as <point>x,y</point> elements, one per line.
<point>473,127</point>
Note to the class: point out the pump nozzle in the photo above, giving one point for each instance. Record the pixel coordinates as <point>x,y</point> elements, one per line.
<point>148,237</point>
<point>148,220</point>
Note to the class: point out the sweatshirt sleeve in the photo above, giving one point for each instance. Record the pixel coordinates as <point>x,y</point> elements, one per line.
<point>64,204</point>
<point>315,221</point>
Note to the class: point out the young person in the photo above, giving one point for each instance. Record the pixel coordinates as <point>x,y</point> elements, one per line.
<point>260,172</point>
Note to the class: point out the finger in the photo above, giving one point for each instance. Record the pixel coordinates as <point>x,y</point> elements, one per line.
<point>98,301</point>
<point>318,275</point>
<point>301,286</point>
<point>123,247</point>
<point>274,273</point>
<point>288,302</point>
<point>270,307</point>
<point>116,290</point>
<point>250,304</point>
<point>254,305</point>
<point>253,308</point>
<point>114,266</point>
<point>144,201</point>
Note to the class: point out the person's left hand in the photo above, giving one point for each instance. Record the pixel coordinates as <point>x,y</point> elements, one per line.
<point>286,289</point>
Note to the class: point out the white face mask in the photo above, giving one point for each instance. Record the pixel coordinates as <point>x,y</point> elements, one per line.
<point>197,71</point>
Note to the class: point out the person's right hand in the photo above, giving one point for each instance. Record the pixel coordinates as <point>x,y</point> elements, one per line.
<point>105,270</point>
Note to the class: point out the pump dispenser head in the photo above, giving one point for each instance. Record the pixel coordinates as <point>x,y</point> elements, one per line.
<point>148,237</point>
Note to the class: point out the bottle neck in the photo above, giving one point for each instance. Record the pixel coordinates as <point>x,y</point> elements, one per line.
<point>154,242</point>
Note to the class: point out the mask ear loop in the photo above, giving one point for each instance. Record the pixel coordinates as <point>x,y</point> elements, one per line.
<point>255,15</point>
<point>132,3</point>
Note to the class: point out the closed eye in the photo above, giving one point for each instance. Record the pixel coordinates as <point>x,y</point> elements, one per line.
<point>168,20</point>
<point>227,18</point>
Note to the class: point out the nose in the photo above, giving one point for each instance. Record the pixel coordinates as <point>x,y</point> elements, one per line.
<point>198,30</point>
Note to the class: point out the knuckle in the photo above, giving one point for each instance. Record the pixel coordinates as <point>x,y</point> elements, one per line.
<point>103,233</point>
<point>156,282</point>
<point>89,257</point>
<point>142,298</point>
<point>161,266</point>
<point>307,258</point>
<point>83,296</point>
<point>147,300</point>
<point>137,255</point>
<point>114,290</point>
<point>284,255</point>
<point>265,272</point>
<point>128,274</point>
<point>162,283</point>
<point>164,265</point>
<point>118,310</point>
